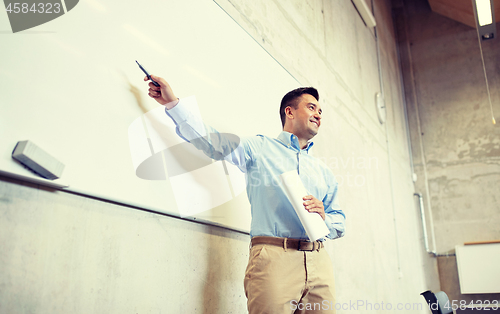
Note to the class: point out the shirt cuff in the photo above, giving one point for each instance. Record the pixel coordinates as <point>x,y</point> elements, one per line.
<point>180,112</point>
<point>336,225</point>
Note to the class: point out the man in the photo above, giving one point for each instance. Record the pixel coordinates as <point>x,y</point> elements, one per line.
<point>286,273</point>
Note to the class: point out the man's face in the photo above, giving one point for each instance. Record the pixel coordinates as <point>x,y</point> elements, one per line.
<point>307,117</point>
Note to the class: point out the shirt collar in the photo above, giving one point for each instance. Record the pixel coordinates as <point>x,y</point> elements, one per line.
<point>290,139</point>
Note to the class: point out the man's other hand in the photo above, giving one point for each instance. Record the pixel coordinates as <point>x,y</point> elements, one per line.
<point>313,205</point>
<point>163,94</point>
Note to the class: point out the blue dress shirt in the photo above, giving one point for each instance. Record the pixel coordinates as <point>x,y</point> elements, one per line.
<point>264,159</point>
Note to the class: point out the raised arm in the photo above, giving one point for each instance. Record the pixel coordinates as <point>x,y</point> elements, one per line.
<point>218,146</point>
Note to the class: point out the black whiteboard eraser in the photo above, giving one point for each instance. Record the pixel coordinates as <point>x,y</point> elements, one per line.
<point>37,160</point>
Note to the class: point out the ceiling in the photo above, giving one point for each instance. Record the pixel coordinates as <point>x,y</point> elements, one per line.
<point>460,10</point>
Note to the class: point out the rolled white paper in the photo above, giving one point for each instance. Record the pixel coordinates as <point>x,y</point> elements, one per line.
<point>312,222</point>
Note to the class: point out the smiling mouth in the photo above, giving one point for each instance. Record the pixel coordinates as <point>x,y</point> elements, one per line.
<point>316,122</point>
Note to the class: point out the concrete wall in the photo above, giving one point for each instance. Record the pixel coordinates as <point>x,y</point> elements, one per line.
<point>456,147</point>
<point>64,253</point>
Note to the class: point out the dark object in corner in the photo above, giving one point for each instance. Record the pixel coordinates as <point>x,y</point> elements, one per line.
<point>438,302</point>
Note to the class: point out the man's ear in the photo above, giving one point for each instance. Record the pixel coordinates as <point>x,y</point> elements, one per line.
<point>289,112</point>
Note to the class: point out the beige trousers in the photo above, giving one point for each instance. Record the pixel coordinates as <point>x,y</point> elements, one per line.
<point>291,281</point>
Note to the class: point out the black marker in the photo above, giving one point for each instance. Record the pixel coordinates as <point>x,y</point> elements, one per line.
<point>147,74</point>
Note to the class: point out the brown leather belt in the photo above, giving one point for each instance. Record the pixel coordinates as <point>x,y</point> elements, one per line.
<point>286,243</point>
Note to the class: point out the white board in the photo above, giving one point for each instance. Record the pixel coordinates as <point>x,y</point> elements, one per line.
<point>72,87</point>
<point>479,268</point>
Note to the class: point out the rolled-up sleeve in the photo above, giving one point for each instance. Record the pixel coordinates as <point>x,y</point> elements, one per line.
<point>334,216</point>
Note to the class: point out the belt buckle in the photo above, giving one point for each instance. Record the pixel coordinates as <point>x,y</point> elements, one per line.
<point>306,250</point>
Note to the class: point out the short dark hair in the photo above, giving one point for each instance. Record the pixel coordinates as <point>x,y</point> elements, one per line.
<point>290,99</point>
